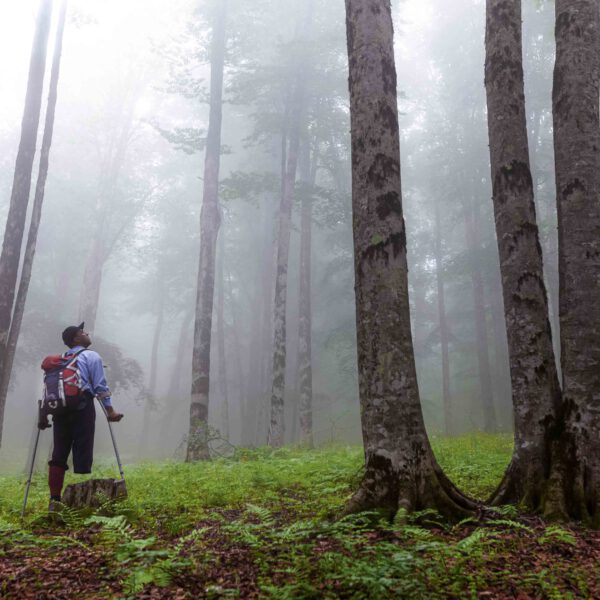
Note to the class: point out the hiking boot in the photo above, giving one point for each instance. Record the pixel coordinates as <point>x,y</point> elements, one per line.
<point>54,506</point>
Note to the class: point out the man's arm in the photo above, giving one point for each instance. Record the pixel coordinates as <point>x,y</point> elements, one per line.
<point>98,385</point>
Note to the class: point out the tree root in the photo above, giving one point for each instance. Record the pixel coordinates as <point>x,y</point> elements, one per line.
<point>386,490</point>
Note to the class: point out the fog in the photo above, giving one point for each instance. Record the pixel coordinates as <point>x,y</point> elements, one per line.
<point>124,193</point>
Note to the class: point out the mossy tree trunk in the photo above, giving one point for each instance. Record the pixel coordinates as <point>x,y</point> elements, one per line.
<point>575,479</point>
<point>535,386</point>
<point>210,221</point>
<point>401,471</point>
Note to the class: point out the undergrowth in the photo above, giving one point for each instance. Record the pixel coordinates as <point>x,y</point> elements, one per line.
<point>260,525</point>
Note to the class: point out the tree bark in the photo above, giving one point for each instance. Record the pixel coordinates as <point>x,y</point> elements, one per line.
<point>221,340</point>
<point>535,386</point>
<point>17,212</point>
<point>277,424</point>
<point>210,220</point>
<point>444,333</point>
<point>305,309</point>
<point>501,363</point>
<point>481,337</point>
<point>152,387</point>
<point>36,215</point>
<point>92,280</point>
<point>575,480</point>
<point>401,471</point>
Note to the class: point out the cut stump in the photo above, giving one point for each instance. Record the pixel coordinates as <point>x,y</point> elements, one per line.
<point>94,492</point>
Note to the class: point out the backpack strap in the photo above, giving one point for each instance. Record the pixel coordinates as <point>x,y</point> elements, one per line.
<point>72,357</point>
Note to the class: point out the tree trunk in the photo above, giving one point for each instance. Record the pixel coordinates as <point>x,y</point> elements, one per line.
<point>305,310</point>
<point>150,404</point>
<point>444,333</point>
<point>180,366</point>
<point>92,280</point>
<point>260,359</point>
<point>17,212</point>
<point>401,471</point>
<point>483,357</point>
<point>575,480</point>
<point>535,386</point>
<point>36,215</point>
<point>210,220</point>
<point>277,425</point>
<point>501,363</point>
<point>221,340</point>
<point>240,415</point>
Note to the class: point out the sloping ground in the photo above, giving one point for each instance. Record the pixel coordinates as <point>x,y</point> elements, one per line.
<point>257,526</point>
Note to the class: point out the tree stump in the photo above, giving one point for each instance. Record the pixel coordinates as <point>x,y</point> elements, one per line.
<point>93,492</point>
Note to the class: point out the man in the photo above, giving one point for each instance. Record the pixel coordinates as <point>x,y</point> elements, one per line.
<point>74,430</point>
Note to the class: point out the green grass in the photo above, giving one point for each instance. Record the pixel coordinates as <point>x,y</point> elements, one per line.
<point>258,523</point>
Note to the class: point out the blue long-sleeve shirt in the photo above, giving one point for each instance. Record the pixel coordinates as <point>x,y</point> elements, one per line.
<point>92,375</point>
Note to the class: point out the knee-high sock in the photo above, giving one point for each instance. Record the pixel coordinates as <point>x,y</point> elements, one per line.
<point>56,478</point>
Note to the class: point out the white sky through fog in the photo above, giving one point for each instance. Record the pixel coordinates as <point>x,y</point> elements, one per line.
<point>98,32</point>
<point>122,26</point>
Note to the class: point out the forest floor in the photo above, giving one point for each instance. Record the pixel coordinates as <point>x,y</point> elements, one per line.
<point>258,526</point>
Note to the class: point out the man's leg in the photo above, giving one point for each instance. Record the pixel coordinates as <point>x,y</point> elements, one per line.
<point>57,466</point>
<point>83,438</point>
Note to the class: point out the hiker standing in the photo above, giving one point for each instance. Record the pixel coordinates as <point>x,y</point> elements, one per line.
<point>74,425</point>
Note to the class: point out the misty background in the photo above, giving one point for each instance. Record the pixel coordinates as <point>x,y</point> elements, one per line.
<point>126,175</point>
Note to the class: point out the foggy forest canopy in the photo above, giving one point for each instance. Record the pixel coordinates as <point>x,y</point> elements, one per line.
<point>124,193</point>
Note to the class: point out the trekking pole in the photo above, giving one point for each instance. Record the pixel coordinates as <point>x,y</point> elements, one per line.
<point>114,441</point>
<point>28,484</point>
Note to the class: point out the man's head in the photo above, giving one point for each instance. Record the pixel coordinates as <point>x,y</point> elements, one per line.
<point>75,335</point>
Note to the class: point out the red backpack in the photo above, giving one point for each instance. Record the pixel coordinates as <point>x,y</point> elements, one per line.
<point>62,383</point>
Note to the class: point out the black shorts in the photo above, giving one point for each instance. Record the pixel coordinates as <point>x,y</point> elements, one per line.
<point>75,430</point>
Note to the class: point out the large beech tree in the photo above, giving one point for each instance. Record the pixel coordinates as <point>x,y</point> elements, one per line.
<point>401,470</point>
<point>575,480</point>
<point>556,462</point>
<point>535,386</point>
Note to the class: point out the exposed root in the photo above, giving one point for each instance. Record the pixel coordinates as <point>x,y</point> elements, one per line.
<point>387,491</point>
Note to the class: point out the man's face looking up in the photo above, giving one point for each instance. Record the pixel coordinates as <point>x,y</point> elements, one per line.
<point>82,338</point>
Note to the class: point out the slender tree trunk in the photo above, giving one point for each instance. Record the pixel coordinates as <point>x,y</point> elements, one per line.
<point>501,363</point>
<point>221,340</point>
<point>180,358</point>
<point>444,333</point>
<point>210,220</point>
<point>265,338</point>
<point>19,199</point>
<point>277,424</point>
<point>180,366</point>
<point>305,310</point>
<point>535,386</point>
<point>575,480</point>
<point>240,414</point>
<point>150,404</point>
<point>36,215</point>
<point>92,280</point>
<point>483,357</point>
<point>401,471</point>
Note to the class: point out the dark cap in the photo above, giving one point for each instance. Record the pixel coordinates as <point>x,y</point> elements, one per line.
<point>68,335</point>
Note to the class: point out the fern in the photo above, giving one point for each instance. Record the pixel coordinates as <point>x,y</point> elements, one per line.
<point>555,534</point>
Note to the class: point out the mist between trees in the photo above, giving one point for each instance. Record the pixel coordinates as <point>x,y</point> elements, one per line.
<point>245,105</point>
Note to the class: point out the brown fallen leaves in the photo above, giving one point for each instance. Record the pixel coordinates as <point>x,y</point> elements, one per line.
<point>79,567</point>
